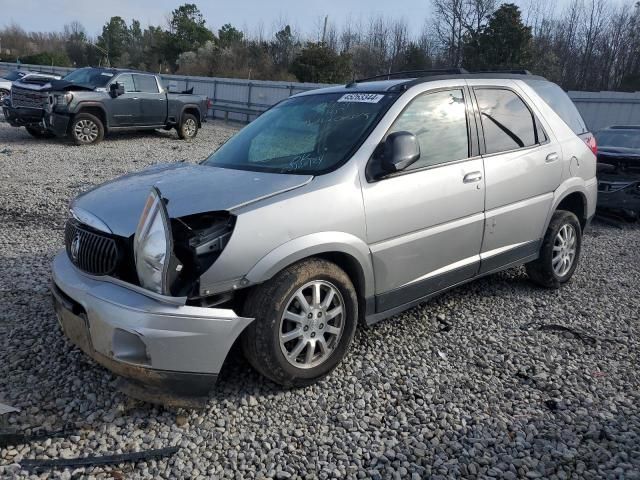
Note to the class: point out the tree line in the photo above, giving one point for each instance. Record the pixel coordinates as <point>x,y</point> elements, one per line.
<point>587,45</point>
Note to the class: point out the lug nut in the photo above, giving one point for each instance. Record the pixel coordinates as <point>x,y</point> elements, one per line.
<point>319,314</point>
<point>313,334</point>
<point>310,315</point>
<point>305,328</point>
<point>322,325</point>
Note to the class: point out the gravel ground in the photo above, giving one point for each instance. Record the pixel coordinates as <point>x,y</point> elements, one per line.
<point>466,385</point>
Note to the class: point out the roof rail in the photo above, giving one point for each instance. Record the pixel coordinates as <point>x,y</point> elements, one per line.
<point>506,70</point>
<point>409,74</point>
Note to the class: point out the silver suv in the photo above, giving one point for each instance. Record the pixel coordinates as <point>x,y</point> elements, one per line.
<point>337,207</point>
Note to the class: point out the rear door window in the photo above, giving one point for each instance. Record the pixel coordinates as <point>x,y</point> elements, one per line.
<point>507,122</point>
<point>145,83</point>
<point>560,102</point>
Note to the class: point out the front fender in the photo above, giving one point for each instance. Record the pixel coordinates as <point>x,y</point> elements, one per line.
<point>315,244</point>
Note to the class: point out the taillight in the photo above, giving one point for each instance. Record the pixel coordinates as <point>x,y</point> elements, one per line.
<point>209,103</point>
<point>590,140</point>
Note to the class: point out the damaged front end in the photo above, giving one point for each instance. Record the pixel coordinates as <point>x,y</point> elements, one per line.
<point>129,303</point>
<point>619,184</point>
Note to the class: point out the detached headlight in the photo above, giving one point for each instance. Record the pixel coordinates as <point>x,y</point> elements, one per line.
<point>64,100</point>
<point>153,246</point>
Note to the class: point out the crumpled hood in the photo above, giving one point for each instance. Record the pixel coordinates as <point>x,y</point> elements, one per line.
<point>188,188</point>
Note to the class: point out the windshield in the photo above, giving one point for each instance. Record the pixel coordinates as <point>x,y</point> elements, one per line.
<point>619,139</point>
<point>15,75</point>
<point>311,134</point>
<point>93,77</point>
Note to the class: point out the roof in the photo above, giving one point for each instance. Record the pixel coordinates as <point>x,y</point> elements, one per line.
<point>382,86</point>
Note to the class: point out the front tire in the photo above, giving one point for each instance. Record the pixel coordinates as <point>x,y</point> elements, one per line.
<point>86,129</point>
<point>188,128</point>
<point>560,251</point>
<point>305,320</point>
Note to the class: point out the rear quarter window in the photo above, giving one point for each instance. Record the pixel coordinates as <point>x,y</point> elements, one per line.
<point>560,102</point>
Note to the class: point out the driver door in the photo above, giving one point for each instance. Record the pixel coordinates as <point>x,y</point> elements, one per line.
<point>425,224</point>
<point>125,109</point>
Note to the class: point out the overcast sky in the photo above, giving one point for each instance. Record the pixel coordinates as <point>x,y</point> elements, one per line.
<point>48,15</point>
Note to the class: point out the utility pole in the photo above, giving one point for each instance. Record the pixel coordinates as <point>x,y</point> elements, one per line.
<point>324,29</point>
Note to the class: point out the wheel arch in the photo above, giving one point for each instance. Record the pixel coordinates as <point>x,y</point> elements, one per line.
<point>193,110</point>
<point>95,109</point>
<point>347,251</point>
<point>574,197</point>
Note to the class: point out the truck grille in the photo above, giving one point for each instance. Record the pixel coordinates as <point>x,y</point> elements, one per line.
<point>89,250</point>
<point>23,98</point>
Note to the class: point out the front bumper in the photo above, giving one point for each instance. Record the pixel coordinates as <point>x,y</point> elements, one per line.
<point>23,117</point>
<point>620,195</point>
<point>58,123</point>
<point>166,351</point>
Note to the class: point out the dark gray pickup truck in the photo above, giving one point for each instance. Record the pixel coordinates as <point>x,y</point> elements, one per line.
<point>90,102</point>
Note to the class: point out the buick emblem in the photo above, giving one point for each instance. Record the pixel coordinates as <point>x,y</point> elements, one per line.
<point>75,248</point>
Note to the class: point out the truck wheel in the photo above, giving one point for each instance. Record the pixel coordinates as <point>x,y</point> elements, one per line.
<point>37,132</point>
<point>86,129</point>
<point>188,129</point>
<point>559,253</point>
<point>305,319</point>
<point>4,93</point>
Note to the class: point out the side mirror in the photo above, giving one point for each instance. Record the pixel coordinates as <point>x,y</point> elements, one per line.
<point>401,149</point>
<point>116,89</point>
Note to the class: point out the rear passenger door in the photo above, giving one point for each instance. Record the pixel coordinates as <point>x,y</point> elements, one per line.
<point>523,166</point>
<point>153,102</point>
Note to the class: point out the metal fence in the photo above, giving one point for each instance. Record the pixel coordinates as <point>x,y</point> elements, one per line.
<point>599,109</point>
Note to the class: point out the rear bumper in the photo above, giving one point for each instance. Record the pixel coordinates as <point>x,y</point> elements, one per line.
<point>23,117</point>
<point>166,351</point>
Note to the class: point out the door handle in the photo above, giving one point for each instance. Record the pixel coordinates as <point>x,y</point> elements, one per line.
<point>552,157</point>
<point>472,177</point>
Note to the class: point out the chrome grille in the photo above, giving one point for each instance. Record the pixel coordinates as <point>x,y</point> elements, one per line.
<point>91,251</point>
<point>24,98</point>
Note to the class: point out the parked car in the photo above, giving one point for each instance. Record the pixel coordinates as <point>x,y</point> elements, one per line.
<point>25,105</point>
<point>619,170</point>
<point>7,79</point>
<point>338,206</point>
<point>90,102</point>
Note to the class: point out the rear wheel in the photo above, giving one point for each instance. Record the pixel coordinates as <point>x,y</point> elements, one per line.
<point>86,129</point>
<point>305,319</point>
<point>559,253</point>
<point>188,128</point>
<point>38,132</point>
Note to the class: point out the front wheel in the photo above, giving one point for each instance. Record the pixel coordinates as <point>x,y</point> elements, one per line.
<point>559,253</point>
<point>188,129</point>
<point>86,129</point>
<point>305,319</point>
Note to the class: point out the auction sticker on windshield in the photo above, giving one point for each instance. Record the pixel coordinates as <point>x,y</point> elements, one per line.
<point>361,97</point>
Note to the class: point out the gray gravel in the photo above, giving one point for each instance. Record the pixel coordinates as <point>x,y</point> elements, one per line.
<point>466,385</point>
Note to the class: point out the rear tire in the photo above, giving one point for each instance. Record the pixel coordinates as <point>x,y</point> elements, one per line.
<point>36,132</point>
<point>86,129</point>
<point>188,128</point>
<point>292,319</point>
<point>559,253</point>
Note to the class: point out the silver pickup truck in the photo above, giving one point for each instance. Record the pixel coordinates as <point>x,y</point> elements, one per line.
<point>90,102</point>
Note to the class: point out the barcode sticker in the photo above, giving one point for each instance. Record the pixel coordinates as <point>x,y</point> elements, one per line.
<point>361,97</point>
